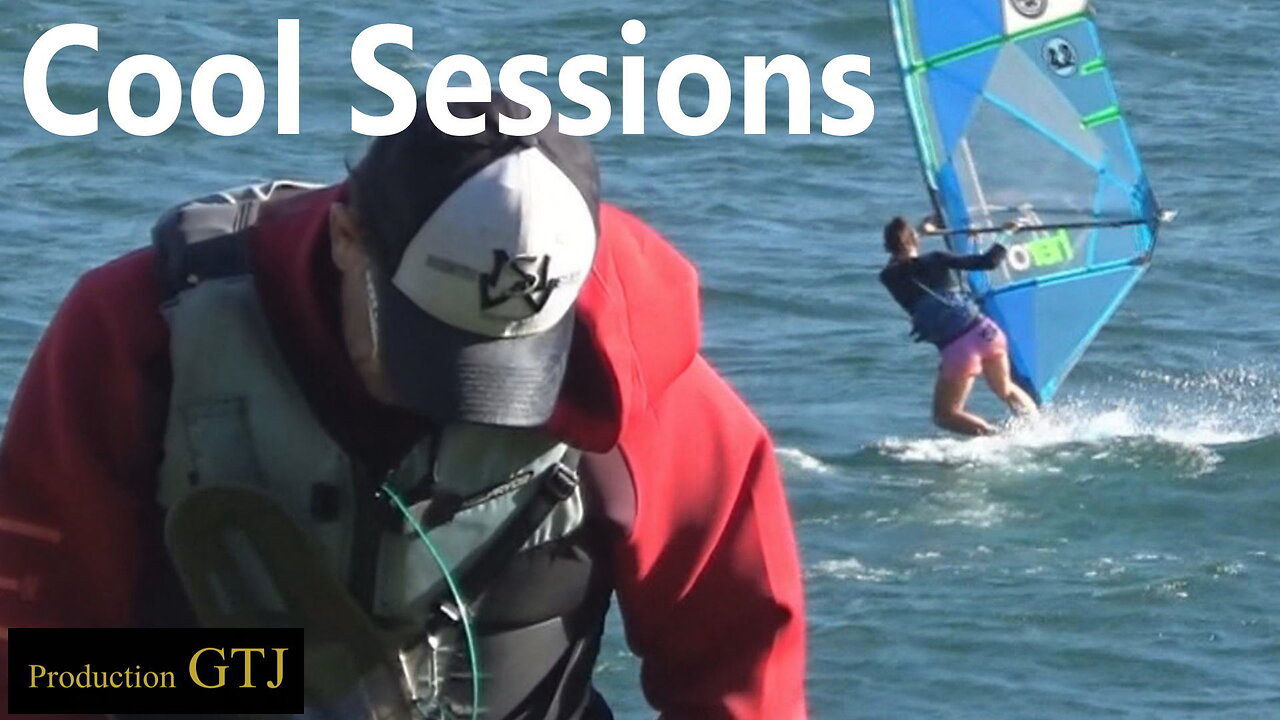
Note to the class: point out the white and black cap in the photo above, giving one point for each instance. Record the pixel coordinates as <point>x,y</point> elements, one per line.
<point>482,245</point>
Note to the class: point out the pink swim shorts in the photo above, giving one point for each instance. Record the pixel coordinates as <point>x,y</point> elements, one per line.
<point>963,357</point>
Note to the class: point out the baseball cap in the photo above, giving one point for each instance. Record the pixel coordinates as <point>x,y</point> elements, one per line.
<point>481,246</point>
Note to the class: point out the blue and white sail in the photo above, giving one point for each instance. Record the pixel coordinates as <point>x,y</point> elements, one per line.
<point>1017,118</point>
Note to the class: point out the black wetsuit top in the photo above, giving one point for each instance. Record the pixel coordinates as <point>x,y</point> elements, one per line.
<point>904,278</point>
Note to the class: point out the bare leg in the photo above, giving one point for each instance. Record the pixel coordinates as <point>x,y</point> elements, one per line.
<point>949,397</point>
<point>995,368</point>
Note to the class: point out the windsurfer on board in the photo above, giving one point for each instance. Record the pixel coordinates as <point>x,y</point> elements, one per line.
<point>944,314</point>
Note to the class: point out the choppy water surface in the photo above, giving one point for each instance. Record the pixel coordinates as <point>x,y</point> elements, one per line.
<point>1119,557</point>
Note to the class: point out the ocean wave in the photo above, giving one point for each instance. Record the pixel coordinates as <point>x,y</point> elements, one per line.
<point>852,569</point>
<point>1206,413</point>
<point>798,459</point>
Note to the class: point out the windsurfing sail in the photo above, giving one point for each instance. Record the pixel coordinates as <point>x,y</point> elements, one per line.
<point>1016,119</point>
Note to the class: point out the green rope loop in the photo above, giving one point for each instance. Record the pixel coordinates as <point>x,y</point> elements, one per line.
<point>463,612</point>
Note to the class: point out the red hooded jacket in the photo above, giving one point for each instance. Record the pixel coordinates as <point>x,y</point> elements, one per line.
<point>707,573</point>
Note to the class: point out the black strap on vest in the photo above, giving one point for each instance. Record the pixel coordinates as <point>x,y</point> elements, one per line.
<point>182,265</point>
<point>550,639</point>
<point>555,485</point>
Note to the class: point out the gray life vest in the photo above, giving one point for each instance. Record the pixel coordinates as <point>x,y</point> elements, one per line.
<point>268,518</point>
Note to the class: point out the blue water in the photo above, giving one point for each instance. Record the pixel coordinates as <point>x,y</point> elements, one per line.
<point>1120,558</point>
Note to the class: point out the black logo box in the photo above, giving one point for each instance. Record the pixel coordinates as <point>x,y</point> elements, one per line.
<point>72,671</point>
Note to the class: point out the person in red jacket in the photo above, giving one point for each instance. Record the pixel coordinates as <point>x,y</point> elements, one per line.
<point>459,339</point>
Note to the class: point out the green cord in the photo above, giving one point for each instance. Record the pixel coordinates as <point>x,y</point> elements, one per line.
<point>453,589</point>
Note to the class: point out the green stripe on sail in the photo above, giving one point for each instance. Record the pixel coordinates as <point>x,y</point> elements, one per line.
<point>909,30</point>
<point>915,95</point>
<point>915,105</point>
<point>1105,115</point>
<point>972,49</point>
<point>1093,66</point>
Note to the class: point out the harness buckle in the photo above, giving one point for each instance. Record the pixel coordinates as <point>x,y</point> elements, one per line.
<point>562,483</point>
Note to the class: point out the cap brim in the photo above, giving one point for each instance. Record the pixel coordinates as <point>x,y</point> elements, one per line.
<point>451,375</point>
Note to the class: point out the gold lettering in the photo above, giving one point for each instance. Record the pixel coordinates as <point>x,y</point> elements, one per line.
<point>115,679</point>
<point>279,668</point>
<point>34,676</point>
<point>248,657</point>
<point>168,680</point>
<point>222,669</point>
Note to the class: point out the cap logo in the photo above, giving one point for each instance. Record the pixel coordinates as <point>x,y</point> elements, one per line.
<point>522,277</point>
